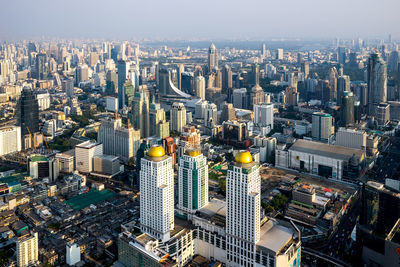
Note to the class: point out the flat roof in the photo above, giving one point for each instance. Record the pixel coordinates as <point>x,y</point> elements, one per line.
<point>108,157</point>
<point>87,145</point>
<point>92,197</point>
<point>274,236</point>
<point>39,158</point>
<point>326,150</point>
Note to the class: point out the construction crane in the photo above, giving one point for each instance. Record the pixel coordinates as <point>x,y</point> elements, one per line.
<point>47,145</point>
<point>33,140</point>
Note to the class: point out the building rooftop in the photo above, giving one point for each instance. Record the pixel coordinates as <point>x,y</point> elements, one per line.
<point>326,150</point>
<point>39,158</point>
<point>274,236</point>
<point>87,145</point>
<point>215,211</point>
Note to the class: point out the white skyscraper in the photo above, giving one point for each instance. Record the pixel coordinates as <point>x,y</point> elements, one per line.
<point>200,87</point>
<point>210,115</point>
<point>73,254</point>
<point>10,139</point>
<point>178,117</point>
<point>264,115</point>
<point>243,189</point>
<point>84,154</point>
<point>192,181</point>
<point>27,250</point>
<point>157,194</point>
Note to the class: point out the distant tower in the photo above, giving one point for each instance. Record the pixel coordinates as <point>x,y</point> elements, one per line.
<point>263,51</point>
<point>139,115</point>
<point>157,194</point>
<point>321,126</point>
<point>123,67</point>
<point>243,210</point>
<point>192,181</point>
<point>212,58</point>
<point>347,109</point>
<point>377,82</point>
<point>200,87</point>
<point>41,72</point>
<point>178,117</point>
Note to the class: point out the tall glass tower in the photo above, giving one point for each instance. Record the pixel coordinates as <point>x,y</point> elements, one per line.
<point>28,112</point>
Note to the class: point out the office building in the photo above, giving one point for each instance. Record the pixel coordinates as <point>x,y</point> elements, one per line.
<point>239,98</point>
<point>28,112</point>
<point>263,51</point>
<point>43,101</point>
<point>279,54</point>
<point>43,167</point>
<point>41,69</point>
<point>112,104</point>
<point>157,194</point>
<point>139,115</point>
<point>226,78</point>
<point>305,68</point>
<point>200,87</point>
<point>129,93</point>
<point>68,87</point>
<point>228,113</point>
<point>341,55</point>
<point>210,115</point>
<point>379,225</point>
<point>178,117</point>
<point>347,109</point>
<point>351,138</point>
<point>322,126</point>
<point>27,250</point>
<point>233,131</point>
<point>82,74</point>
<point>65,162</point>
<point>212,58</point>
<point>264,115</point>
<point>118,140</point>
<point>111,82</point>
<point>73,253</point>
<point>123,67</point>
<point>377,82</point>
<point>192,181</point>
<point>158,124</point>
<point>382,113</point>
<point>106,164</point>
<point>84,154</point>
<point>10,140</point>
<point>343,85</point>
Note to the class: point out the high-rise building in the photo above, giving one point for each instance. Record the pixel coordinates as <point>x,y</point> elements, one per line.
<point>228,113</point>
<point>192,181</point>
<point>157,194</point>
<point>226,78</point>
<point>178,117</point>
<point>27,250</point>
<point>341,55</point>
<point>68,87</point>
<point>264,115</point>
<point>305,68</point>
<point>111,82</point>
<point>377,82</point>
<point>123,67</point>
<point>200,87</point>
<point>331,95</point>
<point>139,114</point>
<point>73,254</point>
<point>82,74</point>
<point>210,115</point>
<point>321,126</point>
<point>212,58</point>
<point>117,140</point>
<point>347,109</point>
<point>41,70</point>
<point>157,121</point>
<point>351,138</point>
<point>263,50</point>
<point>343,85</point>
<point>243,189</point>
<point>10,140</point>
<point>84,153</point>
<point>28,112</point>
<point>239,98</point>
<point>279,54</point>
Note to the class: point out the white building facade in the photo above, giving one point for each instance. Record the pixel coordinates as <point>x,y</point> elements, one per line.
<point>84,154</point>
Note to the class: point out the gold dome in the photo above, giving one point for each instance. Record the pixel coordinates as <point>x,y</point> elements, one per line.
<point>243,157</point>
<point>156,152</point>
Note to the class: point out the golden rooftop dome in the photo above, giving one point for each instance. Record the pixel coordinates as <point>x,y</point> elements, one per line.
<point>243,157</point>
<point>156,152</point>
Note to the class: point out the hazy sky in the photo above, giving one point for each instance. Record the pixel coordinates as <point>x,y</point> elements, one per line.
<point>203,19</point>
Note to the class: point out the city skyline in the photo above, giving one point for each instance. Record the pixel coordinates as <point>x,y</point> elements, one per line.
<point>220,20</point>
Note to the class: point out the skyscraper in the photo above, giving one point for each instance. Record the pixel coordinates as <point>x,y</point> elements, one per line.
<point>212,58</point>
<point>111,82</point>
<point>192,181</point>
<point>200,87</point>
<point>377,82</point>
<point>263,51</point>
<point>341,55</point>
<point>139,115</point>
<point>226,78</point>
<point>123,68</point>
<point>264,115</point>
<point>243,190</point>
<point>28,112</point>
<point>41,71</point>
<point>157,194</point>
<point>343,85</point>
<point>157,122</point>
<point>347,109</point>
<point>279,54</point>
<point>305,68</point>
<point>178,117</point>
